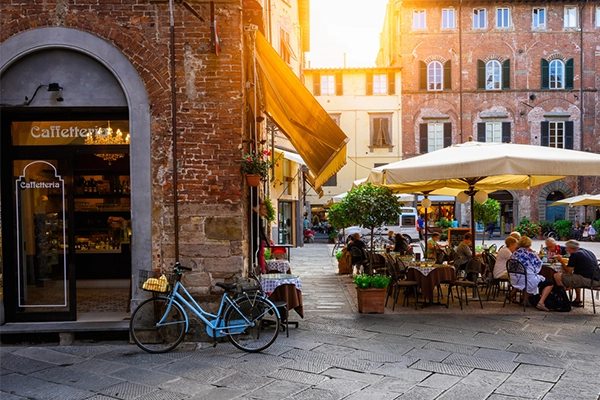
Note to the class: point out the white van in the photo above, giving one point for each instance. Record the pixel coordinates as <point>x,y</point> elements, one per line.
<point>406,225</point>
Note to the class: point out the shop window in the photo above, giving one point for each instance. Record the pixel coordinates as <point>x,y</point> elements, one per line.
<point>493,75</point>
<point>331,181</point>
<point>479,18</point>
<point>571,17</point>
<point>435,136</point>
<point>558,134</point>
<point>381,131</point>
<point>434,76</point>
<point>493,132</point>
<point>539,18</point>
<point>419,19</point>
<point>448,21</point>
<point>557,74</point>
<point>381,84</point>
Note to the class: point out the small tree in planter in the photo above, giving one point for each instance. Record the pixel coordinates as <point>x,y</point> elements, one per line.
<point>486,212</point>
<point>338,217</point>
<point>370,291</point>
<point>564,229</point>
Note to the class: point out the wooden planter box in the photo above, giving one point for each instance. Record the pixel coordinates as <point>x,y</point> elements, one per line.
<point>371,300</point>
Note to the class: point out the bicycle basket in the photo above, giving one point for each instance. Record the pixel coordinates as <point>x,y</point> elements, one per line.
<point>155,281</point>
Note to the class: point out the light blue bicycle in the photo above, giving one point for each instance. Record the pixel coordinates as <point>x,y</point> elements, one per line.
<point>245,315</point>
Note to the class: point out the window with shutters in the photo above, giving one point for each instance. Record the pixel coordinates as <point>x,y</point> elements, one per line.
<point>493,75</point>
<point>557,134</point>
<point>381,131</point>
<point>493,132</point>
<point>435,136</point>
<point>571,17</point>
<point>434,76</point>
<point>380,84</point>
<point>448,21</point>
<point>502,18</point>
<point>539,18</point>
<point>557,75</point>
<point>419,19</point>
<point>285,49</point>
<point>597,17</point>
<point>479,18</point>
<point>327,85</point>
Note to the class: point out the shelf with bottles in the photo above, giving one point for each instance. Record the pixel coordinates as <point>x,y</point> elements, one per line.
<point>102,186</point>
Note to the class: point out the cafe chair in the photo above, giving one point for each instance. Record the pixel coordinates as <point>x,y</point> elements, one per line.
<point>378,263</point>
<point>592,290</point>
<point>463,285</point>
<point>397,283</point>
<point>515,267</point>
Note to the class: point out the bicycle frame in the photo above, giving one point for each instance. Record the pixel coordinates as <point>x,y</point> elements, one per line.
<point>214,322</point>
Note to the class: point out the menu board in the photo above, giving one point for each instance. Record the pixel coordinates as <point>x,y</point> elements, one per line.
<point>456,235</point>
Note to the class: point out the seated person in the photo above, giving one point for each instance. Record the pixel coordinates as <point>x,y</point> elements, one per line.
<point>400,244</point>
<point>433,245</point>
<point>391,237</point>
<point>553,249</point>
<point>533,265</point>
<point>359,245</point>
<point>463,252</point>
<point>588,231</point>
<point>503,256</point>
<point>516,235</point>
<point>580,268</point>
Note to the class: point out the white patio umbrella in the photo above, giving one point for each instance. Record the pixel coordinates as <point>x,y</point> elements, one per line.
<point>476,167</point>
<point>584,200</point>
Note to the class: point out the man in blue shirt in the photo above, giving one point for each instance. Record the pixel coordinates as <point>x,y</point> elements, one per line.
<point>579,270</point>
<point>420,226</point>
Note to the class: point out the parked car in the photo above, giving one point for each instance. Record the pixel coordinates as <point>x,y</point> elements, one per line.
<point>406,225</point>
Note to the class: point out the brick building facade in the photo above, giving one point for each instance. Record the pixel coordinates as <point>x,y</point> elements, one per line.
<point>512,71</point>
<point>111,60</point>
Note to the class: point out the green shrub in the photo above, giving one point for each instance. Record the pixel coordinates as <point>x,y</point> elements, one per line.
<point>444,223</point>
<point>267,254</point>
<point>563,228</point>
<point>371,281</point>
<point>529,228</point>
<point>596,225</point>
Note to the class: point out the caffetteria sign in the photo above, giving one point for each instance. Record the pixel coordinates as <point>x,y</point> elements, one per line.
<point>53,133</point>
<point>39,185</point>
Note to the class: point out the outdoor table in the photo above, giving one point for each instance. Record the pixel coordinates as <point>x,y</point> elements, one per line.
<point>278,266</point>
<point>429,278</point>
<point>284,287</point>
<point>549,269</point>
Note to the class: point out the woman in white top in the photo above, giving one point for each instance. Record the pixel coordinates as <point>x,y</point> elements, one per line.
<point>503,256</point>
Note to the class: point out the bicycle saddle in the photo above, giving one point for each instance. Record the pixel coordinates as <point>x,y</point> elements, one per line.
<point>226,286</point>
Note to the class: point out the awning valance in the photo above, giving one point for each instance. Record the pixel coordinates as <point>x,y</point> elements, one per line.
<point>312,132</point>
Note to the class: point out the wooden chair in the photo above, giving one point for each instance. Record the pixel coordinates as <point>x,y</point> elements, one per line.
<point>515,267</point>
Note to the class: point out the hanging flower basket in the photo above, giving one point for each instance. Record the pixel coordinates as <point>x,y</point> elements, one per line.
<point>253,179</point>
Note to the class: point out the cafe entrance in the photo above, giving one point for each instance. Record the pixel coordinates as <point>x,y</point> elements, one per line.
<point>66,216</point>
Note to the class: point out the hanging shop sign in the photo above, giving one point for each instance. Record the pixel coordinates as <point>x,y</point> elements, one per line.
<point>59,133</point>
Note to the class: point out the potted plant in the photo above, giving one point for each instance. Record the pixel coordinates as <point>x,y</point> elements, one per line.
<point>487,212</point>
<point>564,229</point>
<point>529,228</point>
<point>370,290</point>
<point>256,166</point>
<point>444,223</point>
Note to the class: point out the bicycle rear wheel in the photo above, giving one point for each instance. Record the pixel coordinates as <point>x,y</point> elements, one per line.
<point>146,332</point>
<point>263,326</point>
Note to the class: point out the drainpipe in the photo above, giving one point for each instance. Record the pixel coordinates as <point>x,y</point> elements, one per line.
<point>460,78</point>
<point>174,127</point>
<point>581,100</point>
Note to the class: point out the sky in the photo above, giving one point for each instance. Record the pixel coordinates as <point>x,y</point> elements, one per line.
<point>345,26</point>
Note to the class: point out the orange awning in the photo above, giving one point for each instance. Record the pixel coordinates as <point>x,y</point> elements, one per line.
<point>312,132</point>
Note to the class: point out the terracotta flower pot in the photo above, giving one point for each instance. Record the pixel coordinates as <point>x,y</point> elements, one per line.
<point>371,300</point>
<point>253,179</point>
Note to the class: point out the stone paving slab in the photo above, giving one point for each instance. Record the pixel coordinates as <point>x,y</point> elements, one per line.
<point>440,381</point>
<point>522,387</point>
<point>297,376</point>
<point>540,373</point>
<point>481,363</point>
<point>442,368</point>
<point>77,378</point>
<point>48,355</point>
<point>421,393</point>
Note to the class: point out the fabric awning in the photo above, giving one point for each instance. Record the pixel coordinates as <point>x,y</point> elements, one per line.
<point>312,132</point>
<point>292,157</point>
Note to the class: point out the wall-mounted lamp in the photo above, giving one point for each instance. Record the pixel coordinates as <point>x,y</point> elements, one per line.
<point>55,87</point>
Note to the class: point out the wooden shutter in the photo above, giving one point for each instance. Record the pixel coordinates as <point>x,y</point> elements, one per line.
<point>422,75</point>
<point>480,75</point>
<point>447,134</point>
<point>423,138</point>
<point>339,87</point>
<point>392,83</point>
<point>375,133</point>
<point>569,135</point>
<point>545,74</point>
<point>506,132</point>
<point>545,133</point>
<point>481,132</point>
<point>385,126</point>
<point>447,75</point>
<point>506,75</point>
<point>569,74</point>
<point>369,83</point>
<point>316,84</point>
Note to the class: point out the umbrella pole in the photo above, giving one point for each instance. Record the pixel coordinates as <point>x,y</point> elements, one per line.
<point>472,195</point>
<point>425,233</point>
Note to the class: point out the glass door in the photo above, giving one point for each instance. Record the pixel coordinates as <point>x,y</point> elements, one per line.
<point>41,240</point>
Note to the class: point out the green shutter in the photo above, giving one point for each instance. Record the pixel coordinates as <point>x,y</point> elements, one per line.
<point>545,74</point>
<point>569,135</point>
<point>447,134</point>
<point>506,132</point>
<point>422,75</point>
<point>569,74</point>
<point>545,133</point>
<point>423,137</point>
<point>480,75</point>
<point>506,75</point>
<point>447,75</point>
<point>481,132</point>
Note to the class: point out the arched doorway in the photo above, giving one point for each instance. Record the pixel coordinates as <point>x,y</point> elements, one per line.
<point>555,213</point>
<point>508,212</point>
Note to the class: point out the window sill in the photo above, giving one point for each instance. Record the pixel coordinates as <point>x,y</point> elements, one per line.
<point>389,147</point>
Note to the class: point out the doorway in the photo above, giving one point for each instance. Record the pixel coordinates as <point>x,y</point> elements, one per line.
<point>555,213</point>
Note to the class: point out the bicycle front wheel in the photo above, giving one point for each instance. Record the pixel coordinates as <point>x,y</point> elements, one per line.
<point>151,336</point>
<point>260,318</point>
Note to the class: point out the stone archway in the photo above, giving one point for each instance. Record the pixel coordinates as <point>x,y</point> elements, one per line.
<point>557,186</point>
<point>31,41</point>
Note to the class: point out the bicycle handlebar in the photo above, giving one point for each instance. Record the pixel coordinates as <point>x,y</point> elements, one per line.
<point>178,267</point>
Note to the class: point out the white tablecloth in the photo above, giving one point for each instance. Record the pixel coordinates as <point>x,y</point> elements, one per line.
<point>426,270</point>
<point>270,282</point>
<point>555,266</point>
<point>281,266</point>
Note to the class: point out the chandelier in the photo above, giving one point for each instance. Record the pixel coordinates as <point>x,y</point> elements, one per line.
<point>105,136</point>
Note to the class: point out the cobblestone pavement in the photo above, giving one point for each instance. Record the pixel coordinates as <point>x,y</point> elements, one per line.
<point>336,353</point>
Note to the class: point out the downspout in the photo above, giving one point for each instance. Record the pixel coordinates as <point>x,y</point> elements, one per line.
<point>581,100</point>
<point>460,77</point>
<point>174,127</point>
